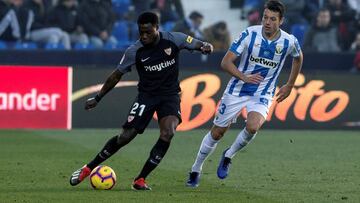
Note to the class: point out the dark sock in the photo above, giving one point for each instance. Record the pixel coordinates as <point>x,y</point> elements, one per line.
<point>110,148</point>
<point>157,153</point>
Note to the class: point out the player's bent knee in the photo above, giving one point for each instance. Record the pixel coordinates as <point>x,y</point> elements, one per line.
<point>218,132</point>
<point>252,128</point>
<point>167,134</point>
<point>123,139</point>
<point>167,137</point>
<point>126,136</point>
<point>252,131</point>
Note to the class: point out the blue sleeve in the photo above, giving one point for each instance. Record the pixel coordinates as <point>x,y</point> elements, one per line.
<point>296,49</point>
<point>238,44</point>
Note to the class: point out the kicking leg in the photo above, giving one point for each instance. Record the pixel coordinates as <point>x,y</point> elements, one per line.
<point>167,130</point>
<point>110,148</point>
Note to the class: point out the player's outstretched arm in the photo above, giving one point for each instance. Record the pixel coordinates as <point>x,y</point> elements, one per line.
<point>228,65</point>
<point>109,84</point>
<point>184,41</point>
<point>285,90</point>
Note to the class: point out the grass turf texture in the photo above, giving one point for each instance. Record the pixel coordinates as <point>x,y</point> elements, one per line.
<point>279,166</point>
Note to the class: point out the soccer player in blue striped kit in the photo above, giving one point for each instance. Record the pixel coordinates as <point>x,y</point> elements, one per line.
<point>262,50</point>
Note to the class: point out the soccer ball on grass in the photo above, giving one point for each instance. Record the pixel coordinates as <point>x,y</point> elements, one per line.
<point>102,178</point>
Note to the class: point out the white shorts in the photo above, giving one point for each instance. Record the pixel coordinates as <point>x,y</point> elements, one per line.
<point>230,107</point>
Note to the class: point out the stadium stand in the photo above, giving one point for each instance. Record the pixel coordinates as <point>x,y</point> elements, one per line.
<point>54,46</point>
<point>81,46</point>
<point>3,45</point>
<point>121,7</point>
<point>230,15</point>
<point>125,28</point>
<point>121,31</point>
<point>299,30</point>
<point>25,45</point>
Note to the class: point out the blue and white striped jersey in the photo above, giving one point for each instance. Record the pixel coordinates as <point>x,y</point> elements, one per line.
<point>261,55</point>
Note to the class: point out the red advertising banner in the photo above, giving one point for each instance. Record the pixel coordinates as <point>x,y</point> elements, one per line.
<point>35,97</point>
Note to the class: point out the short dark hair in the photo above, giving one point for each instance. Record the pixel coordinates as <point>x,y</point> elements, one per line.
<point>275,6</point>
<point>194,15</point>
<point>148,17</point>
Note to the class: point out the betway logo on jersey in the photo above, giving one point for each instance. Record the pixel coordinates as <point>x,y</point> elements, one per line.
<point>266,63</point>
<point>160,66</point>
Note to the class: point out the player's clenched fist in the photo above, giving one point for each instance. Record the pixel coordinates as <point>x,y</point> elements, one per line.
<point>207,48</point>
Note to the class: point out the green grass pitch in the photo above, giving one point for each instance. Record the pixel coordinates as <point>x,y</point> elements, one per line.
<point>279,166</point>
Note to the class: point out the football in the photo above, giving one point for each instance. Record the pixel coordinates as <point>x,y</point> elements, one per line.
<point>103,178</point>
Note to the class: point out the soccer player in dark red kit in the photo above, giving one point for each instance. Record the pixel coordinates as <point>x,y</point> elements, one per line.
<point>155,56</point>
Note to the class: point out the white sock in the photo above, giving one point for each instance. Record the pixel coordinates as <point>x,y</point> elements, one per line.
<point>240,142</point>
<point>207,146</point>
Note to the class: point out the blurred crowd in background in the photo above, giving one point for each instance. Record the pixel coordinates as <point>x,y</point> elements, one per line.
<point>319,25</point>
<point>93,24</point>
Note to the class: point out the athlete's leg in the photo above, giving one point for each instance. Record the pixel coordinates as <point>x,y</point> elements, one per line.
<point>207,146</point>
<point>254,121</point>
<point>168,126</point>
<point>110,148</point>
<point>140,114</point>
<point>258,108</point>
<point>228,110</point>
<point>167,130</point>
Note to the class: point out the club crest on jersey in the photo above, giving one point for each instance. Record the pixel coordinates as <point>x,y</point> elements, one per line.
<point>168,51</point>
<point>130,118</point>
<point>278,49</point>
